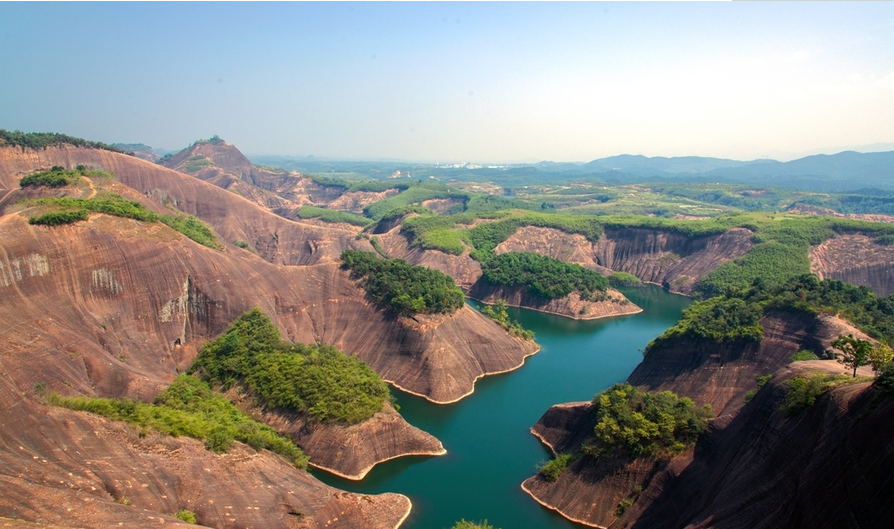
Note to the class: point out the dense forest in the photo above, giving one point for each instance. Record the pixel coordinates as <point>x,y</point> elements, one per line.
<point>402,287</point>
<point>542,276</point>
<point>737,315</point>
<point>318,380</point>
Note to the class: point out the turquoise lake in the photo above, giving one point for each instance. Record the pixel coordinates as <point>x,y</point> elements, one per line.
<point>490,449</point>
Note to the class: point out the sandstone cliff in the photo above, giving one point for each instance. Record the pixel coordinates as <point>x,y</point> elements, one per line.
<point>590,490</point>
<point>114,307</point>
<point>671,260</point>
<point>467,274</point>
<point>351,451</point>
<point>828,466</point>
<point>857,259</point>
<point>78,470</point>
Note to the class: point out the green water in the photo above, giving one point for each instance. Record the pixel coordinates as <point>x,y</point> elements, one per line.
<point>490,449</point>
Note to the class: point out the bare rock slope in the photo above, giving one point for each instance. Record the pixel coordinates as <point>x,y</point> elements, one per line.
<point>855,258</point>
<point>591,490</point>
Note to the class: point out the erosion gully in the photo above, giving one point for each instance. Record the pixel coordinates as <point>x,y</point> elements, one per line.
<point>490,449</point>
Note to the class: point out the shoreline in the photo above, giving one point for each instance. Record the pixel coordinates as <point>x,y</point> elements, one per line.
<point>365,471</point>
<point>471,391</point>
<point>594,318</point>
<point>550,507</point>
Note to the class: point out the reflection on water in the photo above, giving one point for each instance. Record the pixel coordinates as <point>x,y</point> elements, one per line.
<point>490,449</point>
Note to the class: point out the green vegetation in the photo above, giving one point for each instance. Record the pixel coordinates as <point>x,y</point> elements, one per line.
<point>463,524</point>
<point>414,194</point>
<point>623,505</point>
<point>55,177</point>
<point>884,381</point>
<point>193,228</point>
<point>636,423</point>
<point>432,232</point>
<point>499,313</point>
<point>486,236</point>
<point>768,263</point>
<point>332,215</point>
<point>551,470</point>
<point>402,287</point>
<point>803,356</point>
<point>623,279</point>
<point>112,205</point>
<point>542,276</point>
<point>42,140</point>
<point>239,243</point>
<point>67,210</point>
<point>405,210</point>
<point>57,218</point>
<point>719,319</point>
<point>729,318</point>
<point>189,407</point>
<point>317,380</point>
<point>185,515</point>
<point>761,382</point>
<point>197,162</point>
<point>805,389</point>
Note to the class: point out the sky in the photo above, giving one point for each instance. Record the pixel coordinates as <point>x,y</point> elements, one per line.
<point>478,82</point>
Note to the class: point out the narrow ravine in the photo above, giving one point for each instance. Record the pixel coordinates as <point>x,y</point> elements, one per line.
<point>490,450</point>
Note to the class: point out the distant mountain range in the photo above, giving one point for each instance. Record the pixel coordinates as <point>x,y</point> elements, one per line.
<point>845,171</point>
<point>842,172</point>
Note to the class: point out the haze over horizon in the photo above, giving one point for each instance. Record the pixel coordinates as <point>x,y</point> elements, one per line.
<point>476,82</point>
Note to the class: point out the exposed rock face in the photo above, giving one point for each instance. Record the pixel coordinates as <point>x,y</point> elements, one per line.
<point>78,470</point>
<point>276,239</point>
<point>828,466</point>
<point>113,307</point>
<point>351,451</point>
<point>857,259</point>
<point>571,306</point>
<point>679,492</point>
<point>669,259</point>
<point>281,192</point>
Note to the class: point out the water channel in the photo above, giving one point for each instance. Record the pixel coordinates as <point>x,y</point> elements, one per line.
<point>490,449</point>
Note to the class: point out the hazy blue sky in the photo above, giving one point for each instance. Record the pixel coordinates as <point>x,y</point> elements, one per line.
<point>456,81</point>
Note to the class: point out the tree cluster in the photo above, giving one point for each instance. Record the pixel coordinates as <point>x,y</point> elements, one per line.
<point>542,276</point>
<point>42,140</point>
<point>636,423</point>
<point>315,379</point>
<point>402,287</point>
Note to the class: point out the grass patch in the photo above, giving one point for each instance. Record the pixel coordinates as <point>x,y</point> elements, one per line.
<point>804,356</point>
<point>414,194</point>
<point>113,205</point>
<point>188,407</point>
<point>193,228</point>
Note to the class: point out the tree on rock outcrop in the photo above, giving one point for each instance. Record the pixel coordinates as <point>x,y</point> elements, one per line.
<point>853,352</point>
